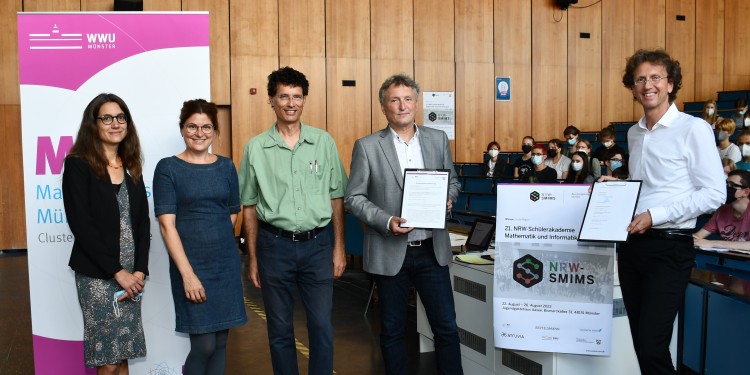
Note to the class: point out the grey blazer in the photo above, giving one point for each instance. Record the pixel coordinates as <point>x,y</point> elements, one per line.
<point>374,195</point>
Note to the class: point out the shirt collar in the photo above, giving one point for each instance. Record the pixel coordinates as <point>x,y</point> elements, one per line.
<point>396,137</point>
<point>274,138</point>
<point>666,119</point>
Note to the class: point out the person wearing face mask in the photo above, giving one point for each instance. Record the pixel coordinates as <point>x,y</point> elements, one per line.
<point>584,146</point>
<point>494,166</point>
<point>541,173</point>
<point>710,114</point>
<point>579,173</point>
<point>523,164</point>
<point>556,160</point>
<point>743,142</point>
<point>608,147</point>
<point>614,162</point>
<point>570,135</point>
<point>727,149</point>
<point>732,220</point>
<point>741,115</point>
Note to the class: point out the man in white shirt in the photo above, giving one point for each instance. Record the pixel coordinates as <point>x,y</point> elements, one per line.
<point>675,156</point>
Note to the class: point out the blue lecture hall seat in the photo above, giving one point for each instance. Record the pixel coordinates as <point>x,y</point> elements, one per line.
<point>471,170</point>
<point>483,202</point>
<point>731,96</point>
<point>478,185</point>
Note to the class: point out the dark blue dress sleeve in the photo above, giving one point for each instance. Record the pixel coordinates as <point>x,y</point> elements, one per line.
<point>165,196</point>
<point>234,188</point>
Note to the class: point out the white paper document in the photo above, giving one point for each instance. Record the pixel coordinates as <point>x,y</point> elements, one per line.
<point>425,197</point>
<point>610,210</point>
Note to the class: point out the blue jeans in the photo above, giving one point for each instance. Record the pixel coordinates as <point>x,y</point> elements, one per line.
<point>433,284</point>
<point>284,265</point>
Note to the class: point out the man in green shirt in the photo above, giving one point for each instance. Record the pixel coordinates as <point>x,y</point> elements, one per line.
<point>292,184</point>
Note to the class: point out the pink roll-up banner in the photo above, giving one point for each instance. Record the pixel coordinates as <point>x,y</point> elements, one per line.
<point>154,61</point>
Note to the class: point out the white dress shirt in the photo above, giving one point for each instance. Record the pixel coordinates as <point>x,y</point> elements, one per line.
<point>680,168</point>
<point>410,156</point>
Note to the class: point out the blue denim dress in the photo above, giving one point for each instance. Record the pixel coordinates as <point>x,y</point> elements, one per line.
<point>203,196</point>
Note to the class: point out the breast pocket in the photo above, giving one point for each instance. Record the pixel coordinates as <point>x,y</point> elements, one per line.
<point>316,181</point>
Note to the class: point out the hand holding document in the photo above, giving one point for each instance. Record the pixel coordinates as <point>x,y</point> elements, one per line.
<point>609,211</point>
<point>425,195</point>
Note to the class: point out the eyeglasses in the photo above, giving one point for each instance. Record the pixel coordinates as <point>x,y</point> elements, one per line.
<point>533,154</point>
<point>615,159</point>
<point>108,119</point>
<point>284,98</point>
<point>735,185</point>
<point>205,128</point>
<point>654,79</point>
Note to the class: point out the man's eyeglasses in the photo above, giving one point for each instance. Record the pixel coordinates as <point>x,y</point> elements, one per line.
<point>654,79</point>
<point>734,185</point>
<point>108,119</point>
<point>284,98</point>
<point>205,128</point>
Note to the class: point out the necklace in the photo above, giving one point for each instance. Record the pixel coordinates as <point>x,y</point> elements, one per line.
<point>115,166</point>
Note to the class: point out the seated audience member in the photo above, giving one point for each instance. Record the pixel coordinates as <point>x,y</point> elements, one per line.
<point>556,159</point>
<point>579,169</point>
<point>570,135</point>
<point>621,173</point>
<point>523,164</point>
<point>494,166</point>
<point>743,142</point>
<point>731,221</point>
<point>740,115</point>
<point>608,147</point>
<point>710,114</point>
<point>615,161</point>
<point>724,129</point>
<point>729,165</point>
<point>595,168</point>
<point>541,173</point>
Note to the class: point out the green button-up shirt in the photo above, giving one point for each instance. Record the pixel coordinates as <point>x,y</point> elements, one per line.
<point>292,189</point>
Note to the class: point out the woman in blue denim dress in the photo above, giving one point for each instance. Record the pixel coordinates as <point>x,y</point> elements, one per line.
<point>196,199</point>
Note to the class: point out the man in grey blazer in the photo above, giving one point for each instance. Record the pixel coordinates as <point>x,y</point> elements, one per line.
<point>399,257</point>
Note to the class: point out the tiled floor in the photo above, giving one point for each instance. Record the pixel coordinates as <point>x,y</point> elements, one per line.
<point>356,337</point>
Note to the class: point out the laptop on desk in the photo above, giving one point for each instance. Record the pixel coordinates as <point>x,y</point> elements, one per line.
<point>480,235</point>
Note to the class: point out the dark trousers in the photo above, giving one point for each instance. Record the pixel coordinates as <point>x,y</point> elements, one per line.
<point>433,285</point>
<point>654,273</point>
<point>308,267</point>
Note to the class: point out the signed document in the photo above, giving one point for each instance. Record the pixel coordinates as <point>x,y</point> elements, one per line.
<point>610,209</point>
<point>425,196</point>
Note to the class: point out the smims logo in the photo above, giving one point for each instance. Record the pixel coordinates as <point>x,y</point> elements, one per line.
<point>534,196</point>
<point>528,271</point>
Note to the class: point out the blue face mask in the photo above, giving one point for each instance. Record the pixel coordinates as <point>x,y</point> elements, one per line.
<point>572,141</point>
<point>614,165</point>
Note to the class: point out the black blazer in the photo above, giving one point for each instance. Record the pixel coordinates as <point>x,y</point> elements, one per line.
<point>499,171</point>
<point>94,218</point>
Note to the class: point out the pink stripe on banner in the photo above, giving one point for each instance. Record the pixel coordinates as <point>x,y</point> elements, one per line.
<point>53,356</point>
<point>65,50</point>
